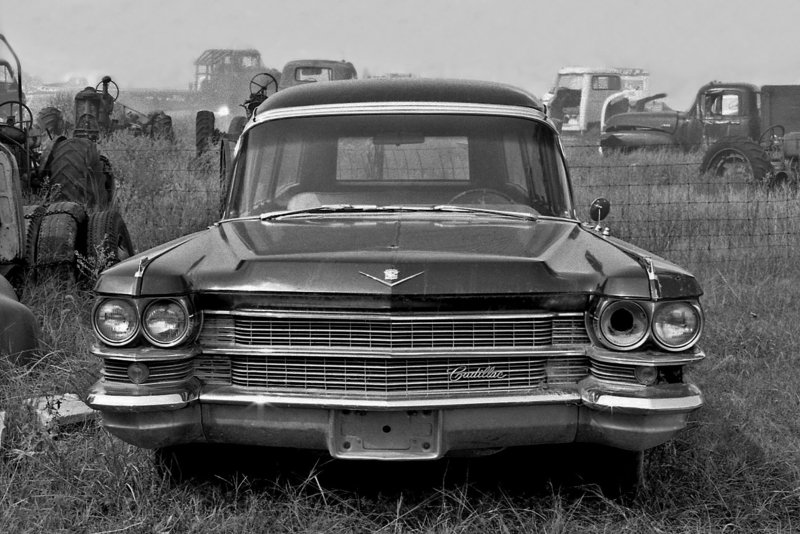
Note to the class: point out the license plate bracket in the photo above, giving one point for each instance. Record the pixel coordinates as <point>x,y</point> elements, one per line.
<point>385,435</point>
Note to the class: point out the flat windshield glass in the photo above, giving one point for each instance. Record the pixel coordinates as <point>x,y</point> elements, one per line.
<point>570,81</point>
<point>491,163</point>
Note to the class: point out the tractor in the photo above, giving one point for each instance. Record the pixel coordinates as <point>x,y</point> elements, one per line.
<point>70,213</point>
<point>207,135</point>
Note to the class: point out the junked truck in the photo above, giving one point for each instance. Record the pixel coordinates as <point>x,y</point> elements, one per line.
<point>746,131</point>
<point>576,101</point>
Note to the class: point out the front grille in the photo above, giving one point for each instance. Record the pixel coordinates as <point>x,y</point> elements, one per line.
<point>401,376</point>
<point>612,371</point>
<point>167,371</point>
<point>392,355</point>
<point>388,332</point>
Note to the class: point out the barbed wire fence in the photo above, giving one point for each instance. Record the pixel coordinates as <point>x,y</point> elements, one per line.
<point>660,202</point>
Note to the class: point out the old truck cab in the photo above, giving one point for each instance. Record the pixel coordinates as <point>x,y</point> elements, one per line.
<point>576,100</point>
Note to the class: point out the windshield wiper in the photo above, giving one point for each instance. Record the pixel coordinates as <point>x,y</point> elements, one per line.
<point>327,208</point>
<point>364,208</point>
<point>502,213</point>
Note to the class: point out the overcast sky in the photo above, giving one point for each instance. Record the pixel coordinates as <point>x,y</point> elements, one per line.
<point>152,43</point>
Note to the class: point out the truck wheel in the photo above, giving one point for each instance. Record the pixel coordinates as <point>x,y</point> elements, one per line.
<point>107,238</point>
<point>736,159</point>
<point>78,172</point>
<point>203,130</point>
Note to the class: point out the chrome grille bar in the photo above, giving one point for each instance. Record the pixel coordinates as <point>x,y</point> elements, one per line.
<point>610,371</point>
<point>391,331</point>
<point>392,375</point>
<point>117,371</point>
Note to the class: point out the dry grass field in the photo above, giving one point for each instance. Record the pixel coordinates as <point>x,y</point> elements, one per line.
<point>736,469</point>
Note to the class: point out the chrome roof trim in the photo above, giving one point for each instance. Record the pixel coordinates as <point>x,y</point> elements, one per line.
<point>397,108</point>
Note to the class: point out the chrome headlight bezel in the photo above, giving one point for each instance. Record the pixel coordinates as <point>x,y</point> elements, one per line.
<point>189,326</point>
<point>690,306</point>
<point>134,317</point>
<point>193,320</point>
<point>613,311</point>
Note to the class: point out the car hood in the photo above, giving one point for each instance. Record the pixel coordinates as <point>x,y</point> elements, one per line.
<point>401,255</point>
<point>649,120</point>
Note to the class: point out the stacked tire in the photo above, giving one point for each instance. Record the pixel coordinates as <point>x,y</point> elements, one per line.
<point>63,240</point>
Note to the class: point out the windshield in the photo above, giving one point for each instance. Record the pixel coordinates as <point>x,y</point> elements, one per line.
<point>499,163</point>
<point>570,81</point>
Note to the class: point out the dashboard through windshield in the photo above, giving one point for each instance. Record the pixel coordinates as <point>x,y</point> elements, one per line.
<point>489,162</point>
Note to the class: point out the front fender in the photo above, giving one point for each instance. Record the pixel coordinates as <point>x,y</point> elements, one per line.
<point>627,140</point>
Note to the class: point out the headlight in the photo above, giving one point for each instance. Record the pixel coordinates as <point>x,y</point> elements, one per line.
<point>622,325</point>
<point>676,325</point>
<point>116,321</point>
<point>165,322</point>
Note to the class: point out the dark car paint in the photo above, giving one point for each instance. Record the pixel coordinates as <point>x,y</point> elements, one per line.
<point>466,255</point>
<point>400,90</point>
<point>19,330</point>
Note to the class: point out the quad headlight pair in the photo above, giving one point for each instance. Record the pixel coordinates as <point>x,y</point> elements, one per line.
<point>628,324</point>
<point>164,322</point>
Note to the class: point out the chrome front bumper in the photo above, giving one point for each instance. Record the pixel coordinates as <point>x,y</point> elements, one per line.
<point>633,418</point>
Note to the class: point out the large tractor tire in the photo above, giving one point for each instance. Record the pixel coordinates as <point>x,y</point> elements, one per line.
<point>161,125</point>
<point>736,159</point>
<point>204,131</point>
<point>236,127</point>
<point>33,220</point>
<point>61,233</point>
<point>79,174</point>
<point>51,120</point>
<point>107,238</point>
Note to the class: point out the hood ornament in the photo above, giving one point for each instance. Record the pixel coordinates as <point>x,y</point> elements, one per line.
<point>391,277</point>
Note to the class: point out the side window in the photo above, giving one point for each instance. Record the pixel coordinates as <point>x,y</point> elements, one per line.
<point>606,83</point>
<point>730,105</point>
<point>723,104</point>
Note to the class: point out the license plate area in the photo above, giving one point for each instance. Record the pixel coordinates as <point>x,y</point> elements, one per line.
<point>401,435</point>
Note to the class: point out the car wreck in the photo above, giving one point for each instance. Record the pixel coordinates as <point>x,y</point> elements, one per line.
<point>19,330</point>
<point>400,273</point>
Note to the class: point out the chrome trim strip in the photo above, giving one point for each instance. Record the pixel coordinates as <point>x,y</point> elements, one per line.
<point>229,395</point>
<point>345,352</point>
<point>647,357</point>
<point>142,403</point>
<point>655,285</point>
<point>144,354</point>
<point>144,263</point>
<point>393,316</point>
<point>608,401</point>
<point>383,108</point>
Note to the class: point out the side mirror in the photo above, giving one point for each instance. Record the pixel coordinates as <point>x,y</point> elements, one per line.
<point>599,210</point>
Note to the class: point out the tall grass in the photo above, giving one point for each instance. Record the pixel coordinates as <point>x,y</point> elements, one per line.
<point>736,469</point>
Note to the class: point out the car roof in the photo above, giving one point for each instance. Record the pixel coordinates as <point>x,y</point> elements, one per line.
<point>401,90</point>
